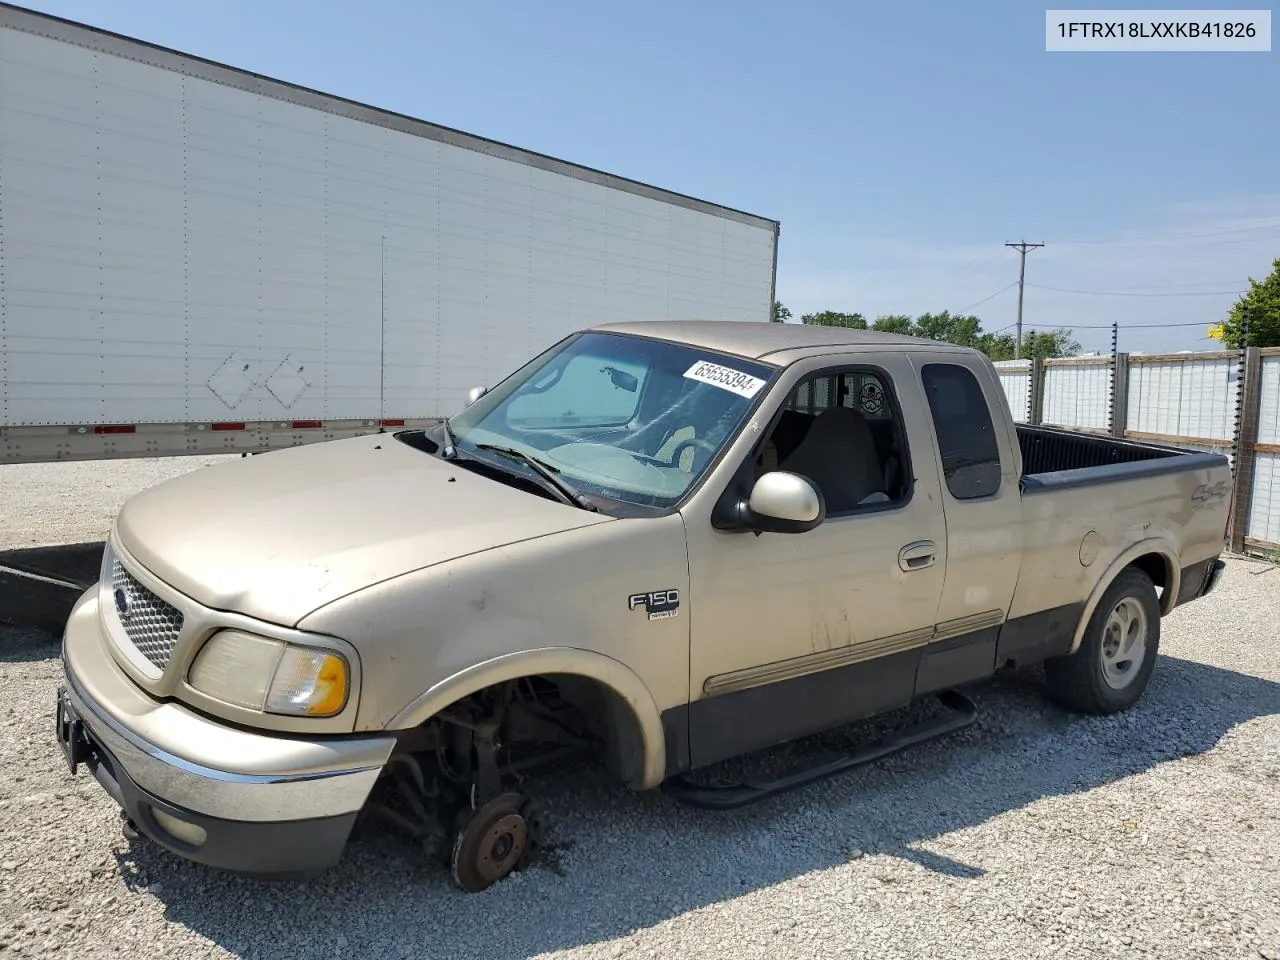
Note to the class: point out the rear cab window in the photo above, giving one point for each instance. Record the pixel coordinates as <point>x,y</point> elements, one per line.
<point>965,431</point>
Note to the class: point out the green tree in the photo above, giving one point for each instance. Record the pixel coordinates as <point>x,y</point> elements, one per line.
<point>998,346</point>
<point>1044,344</point>
<point>1261,307</point>
<point>831,318</point>
<point>780,313</point>
<point>895,323</point>
<point>962,331</point>
<point>1047,344</point>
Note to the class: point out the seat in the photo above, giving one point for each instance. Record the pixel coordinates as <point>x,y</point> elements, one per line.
<point>839,456</point>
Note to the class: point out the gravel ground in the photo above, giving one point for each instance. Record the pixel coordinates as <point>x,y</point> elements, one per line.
<point>38,501</point>
<point>1035,833</point>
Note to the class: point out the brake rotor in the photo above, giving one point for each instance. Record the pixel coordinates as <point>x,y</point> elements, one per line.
<point>489,845</point>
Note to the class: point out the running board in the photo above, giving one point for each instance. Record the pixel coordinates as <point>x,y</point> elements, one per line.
<point>963,713</point>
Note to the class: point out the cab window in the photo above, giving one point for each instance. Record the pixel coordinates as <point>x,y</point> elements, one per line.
<point>966,435</point>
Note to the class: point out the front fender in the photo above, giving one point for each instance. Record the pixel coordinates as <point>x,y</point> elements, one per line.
<point>545,660</point>
<point>556,604</point>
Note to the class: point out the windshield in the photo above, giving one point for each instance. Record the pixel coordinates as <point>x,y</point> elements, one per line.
<point>618,416</point>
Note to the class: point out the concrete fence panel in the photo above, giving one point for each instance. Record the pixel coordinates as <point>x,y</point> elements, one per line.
<point>1077,392</point>
<point>1015,378</point>
<point>1263,528</point>
<point>1191,396</point>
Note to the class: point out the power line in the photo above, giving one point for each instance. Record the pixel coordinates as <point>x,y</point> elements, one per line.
<point>992,296</point>
<point>1130,293</point>
<point>1199,283</point>
<point>944,278</point>
<point>1270,224</point>
<point>1107,326</point>
<point>1022,247</point>
<point>1186,286</point>
<point>969,267</point>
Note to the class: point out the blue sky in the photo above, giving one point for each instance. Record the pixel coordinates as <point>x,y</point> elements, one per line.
<point>900,144</point>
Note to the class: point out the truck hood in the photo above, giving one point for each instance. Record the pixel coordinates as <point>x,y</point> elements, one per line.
<point>276,536</point>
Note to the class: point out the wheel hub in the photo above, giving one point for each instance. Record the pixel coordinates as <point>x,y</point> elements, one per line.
<point>1124,643</point>
<point>502,846</point>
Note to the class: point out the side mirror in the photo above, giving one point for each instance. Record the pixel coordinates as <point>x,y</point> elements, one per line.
<point>783,502</point>
<point>475,393</point>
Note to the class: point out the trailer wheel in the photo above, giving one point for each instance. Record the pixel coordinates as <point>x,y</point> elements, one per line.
<point>1110,671</point>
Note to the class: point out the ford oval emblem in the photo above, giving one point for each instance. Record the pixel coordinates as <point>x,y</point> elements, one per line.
<point>123,606</point>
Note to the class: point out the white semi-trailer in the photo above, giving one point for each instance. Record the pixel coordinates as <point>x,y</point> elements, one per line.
<point>194,258</point>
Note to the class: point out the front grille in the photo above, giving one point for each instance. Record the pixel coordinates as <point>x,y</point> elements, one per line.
<point>151,624</point>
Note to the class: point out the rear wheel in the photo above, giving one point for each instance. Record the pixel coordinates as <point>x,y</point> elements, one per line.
<point>1110,671</point>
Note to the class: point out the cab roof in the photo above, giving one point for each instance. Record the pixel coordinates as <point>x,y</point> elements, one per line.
<point>771,342</point>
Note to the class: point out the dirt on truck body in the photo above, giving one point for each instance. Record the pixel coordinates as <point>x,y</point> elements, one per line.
<point>667,543</point>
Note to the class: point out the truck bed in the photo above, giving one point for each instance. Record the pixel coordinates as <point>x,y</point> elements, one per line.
<point>1051,451</point>
<point>1088,498</point>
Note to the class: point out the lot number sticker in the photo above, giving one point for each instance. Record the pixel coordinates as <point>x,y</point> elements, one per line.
<point>726,378</point>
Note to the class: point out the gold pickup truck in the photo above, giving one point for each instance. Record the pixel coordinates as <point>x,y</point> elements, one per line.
<point>661,544</point>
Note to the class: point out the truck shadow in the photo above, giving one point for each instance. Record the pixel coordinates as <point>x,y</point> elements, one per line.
<point>40,585</point>
<point>622,862</point>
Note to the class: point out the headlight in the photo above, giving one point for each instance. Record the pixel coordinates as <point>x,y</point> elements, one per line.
<point>268,675</point>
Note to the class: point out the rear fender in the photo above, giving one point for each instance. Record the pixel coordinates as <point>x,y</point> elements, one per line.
<point>1154,545</point>
<point>549,660</point>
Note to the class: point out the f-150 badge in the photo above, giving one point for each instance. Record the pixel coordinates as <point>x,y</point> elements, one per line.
<point>660,604</point>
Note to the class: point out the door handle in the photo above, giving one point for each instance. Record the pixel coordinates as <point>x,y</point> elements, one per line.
<point>918,555</point>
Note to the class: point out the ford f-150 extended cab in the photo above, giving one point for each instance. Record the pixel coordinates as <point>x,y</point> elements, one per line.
<point>664,544</point>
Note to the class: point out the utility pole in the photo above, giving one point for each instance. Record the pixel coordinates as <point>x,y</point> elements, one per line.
<point>1022,249</point>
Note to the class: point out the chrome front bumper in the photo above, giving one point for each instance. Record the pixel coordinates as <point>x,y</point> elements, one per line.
<point>266,803</point>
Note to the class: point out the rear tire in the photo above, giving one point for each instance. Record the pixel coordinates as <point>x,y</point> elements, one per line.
<point>1111,670</point>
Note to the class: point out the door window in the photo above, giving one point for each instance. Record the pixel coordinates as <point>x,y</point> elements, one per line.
<point>842,431</point>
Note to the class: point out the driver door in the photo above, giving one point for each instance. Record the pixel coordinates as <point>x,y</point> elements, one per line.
<point>794,633</point>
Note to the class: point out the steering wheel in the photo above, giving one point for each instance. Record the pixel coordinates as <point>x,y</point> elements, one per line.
<point>696,443</point>
<point>646,458</point>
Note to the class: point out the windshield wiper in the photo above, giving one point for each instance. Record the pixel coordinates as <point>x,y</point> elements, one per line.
<point>562,488</point>
<point>450,450</point>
